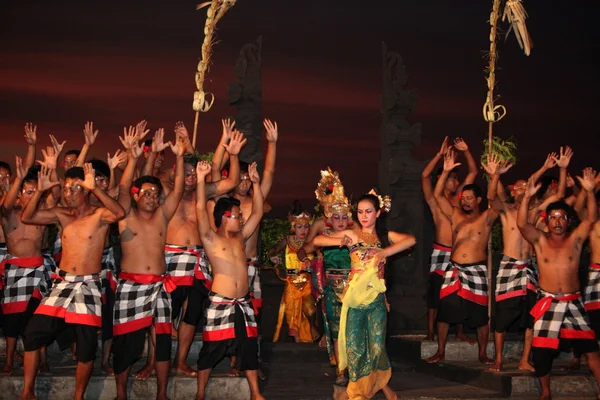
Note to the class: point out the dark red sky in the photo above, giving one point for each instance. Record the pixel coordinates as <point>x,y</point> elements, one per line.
<point>65,62</point>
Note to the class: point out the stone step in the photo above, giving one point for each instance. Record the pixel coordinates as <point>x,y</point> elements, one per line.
<point>513,382</point>
<point>414,347</point>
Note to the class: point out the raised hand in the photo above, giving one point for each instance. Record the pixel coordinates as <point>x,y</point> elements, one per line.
<point>228,125</point>
<point>89,133</point>
<point>140,130</point>
<point>253,173</point>
<point>50,158</point>
<point>460,144</point>
<point>236,143</point>
<point>113,162</point>
<point>531,188</point>
<point>570,181</point>
<point>19,170</point>
<point>444,147</point>
<point>181,133</point>
<point>588,181</point>
<point>158,144</point>
<point>178,148</point>
<point>136,150</point>
<point>90,177</point>
<point>129,138</point>
<point>58,147</point>
<point>30,133</point>
<point>450,161</point>
<point>504,166</point>
<point>271,128</point>
<point>565,157</point>
<point>44,182</point>
<point>493,164</point>
<point>202,169</point>
<point>550,160</point>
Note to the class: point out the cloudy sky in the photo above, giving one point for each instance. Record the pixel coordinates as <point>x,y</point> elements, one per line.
<point>63,63</point>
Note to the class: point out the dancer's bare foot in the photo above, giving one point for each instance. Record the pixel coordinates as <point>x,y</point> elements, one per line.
<point>184,369</point>
<point>107,369</point>
<point>323,342</point>
<point>525,366</point>
<point>430,337</point>
<point>341,380</point>
<point>233,372</point>
<point>437,357</point>
<point>389,393</point>
<point>7,370</point>
<point>27,396</point>
<point>257,397</point>
<point>461,337</point>
<point>497,367</point>
<point>44,370</point>
<point>485,360</point>
<point>145,372</point>
<point>574,364</point>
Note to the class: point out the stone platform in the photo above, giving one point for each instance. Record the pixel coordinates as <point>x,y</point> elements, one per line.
<point>461,365</point>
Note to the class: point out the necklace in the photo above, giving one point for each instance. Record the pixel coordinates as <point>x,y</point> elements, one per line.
<point>370,239</point>
<point>294,243</point>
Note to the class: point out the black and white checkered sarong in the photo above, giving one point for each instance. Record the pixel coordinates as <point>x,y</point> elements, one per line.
<point>592,290</point>
<point>440,259</point>
<point>220,317</point>
<point>186,262</point>
<point>108,274</point>
<point>559,315</point>
<point>24,278</point>
<point>514,278</point>
<point>468,280</point>
<point>75,298</point>
<point>142,300</point>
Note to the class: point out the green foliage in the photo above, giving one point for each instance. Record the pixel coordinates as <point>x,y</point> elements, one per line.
<point>272,231</point>
<point>497,242</point>
<point>206,156</point>
<point>505,149</point>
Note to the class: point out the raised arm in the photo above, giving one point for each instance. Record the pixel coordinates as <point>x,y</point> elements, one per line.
<point>548,164</point>
<point>50,161</point>
<point>206,233</point>
<point>587,185</point>
<point>157,146</point>
<point>563,162</point>
<point>269,172</point>
<point>257,203</point>
<point>316,228</point>
<point>444,204</point>
<point>223,186</point>
<point>112,210</point>
<point>493,171</point>
<point>32,214</point>
<point>461,145</point>
<point>426,175</point>
<point>134,151</point>
<point>529,231</point>
<point>13,193</point>
<point>340,238</point>
<point>219,154</point>
<point>174,197</point>
<point>90,137</point>
<point>30,138</point>
<point>113,162</point>
<point>183,137</point>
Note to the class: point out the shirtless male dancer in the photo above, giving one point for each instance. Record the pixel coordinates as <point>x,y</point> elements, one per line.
<point>75,301</point>
<point>464,292</point>
<point>230,323</point>
<point>440,256</point>
<point>185,258</point>
<point>27,279</point>
<point>142,299</point>
<point>560,314</point>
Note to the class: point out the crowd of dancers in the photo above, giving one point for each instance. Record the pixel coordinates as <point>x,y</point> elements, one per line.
<point>163,249</point>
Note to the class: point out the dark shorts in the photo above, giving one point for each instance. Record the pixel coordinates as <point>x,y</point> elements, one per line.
<point>128,348</point>
<point>44,329</point>
<point>107,315</point>
<point>515,309</point>
<point>16,323</point>
<point>595,321</point>
<point>433,290</point>
<point>178,298</point>
<point>244,348</point>
<point>453,309</point>
<point>197,300</point>
<point>543,357</point>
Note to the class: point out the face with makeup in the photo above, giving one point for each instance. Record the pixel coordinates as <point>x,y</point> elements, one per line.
<point>367,213</point>
<point>69,161</point>
<point>73,193</point>
<point>557,222</point>
<point>148,198</point>
<point>243,189</point>
<point>301,229</point>
<point>452,182</point>
<point>160,159</point>
<point>339,221</point>
<point>190,178</point>
<point>518,190</point>
<point>232,220</point>
<point>4,177</point>
<point>27,191</point>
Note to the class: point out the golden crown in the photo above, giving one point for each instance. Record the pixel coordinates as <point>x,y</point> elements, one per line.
<point>330,193</point>
<point>385,202</point>
<point>302,218</point>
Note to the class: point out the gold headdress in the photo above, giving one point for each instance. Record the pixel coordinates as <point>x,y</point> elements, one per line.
<point>302,218</point>
<point>385,202</point>
<point>330,193</point>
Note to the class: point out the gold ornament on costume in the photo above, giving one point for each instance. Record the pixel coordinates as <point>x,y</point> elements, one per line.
<point>330,193</point>
<point>302,218</point>
<point>385,202</point>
